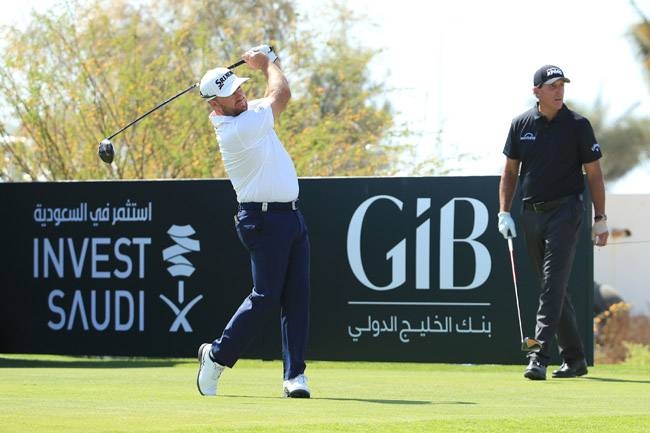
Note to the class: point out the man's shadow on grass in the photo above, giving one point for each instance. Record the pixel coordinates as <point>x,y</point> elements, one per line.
<point>393,401</point>
<point>611,379</point>
<point>87,362</point>
<point>369,400</point>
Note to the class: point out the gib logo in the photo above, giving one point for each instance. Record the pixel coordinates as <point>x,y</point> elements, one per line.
<point>181,267</point>
<point>397,254</point>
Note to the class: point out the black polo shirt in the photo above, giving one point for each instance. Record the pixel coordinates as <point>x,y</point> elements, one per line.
<point>551,153</point>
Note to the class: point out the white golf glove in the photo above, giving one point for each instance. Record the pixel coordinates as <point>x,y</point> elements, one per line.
<point>599,228</point>
<point>507,225</point>
<point>266,49</point>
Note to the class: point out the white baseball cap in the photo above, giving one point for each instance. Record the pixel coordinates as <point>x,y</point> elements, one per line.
<point>220,82</point>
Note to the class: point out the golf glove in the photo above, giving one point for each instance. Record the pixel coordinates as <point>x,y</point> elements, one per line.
<point>266,49</point>
<point>599,228</point>
<point>507,225</point>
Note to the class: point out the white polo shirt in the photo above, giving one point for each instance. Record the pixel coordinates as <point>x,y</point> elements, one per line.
<point>259,167</point>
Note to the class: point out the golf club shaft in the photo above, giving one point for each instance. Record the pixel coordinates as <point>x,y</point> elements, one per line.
<point>151,111</point>
<point>234,65</point>
<point>514,280</point>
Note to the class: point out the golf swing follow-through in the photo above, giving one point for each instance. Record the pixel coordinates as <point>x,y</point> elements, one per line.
<point>268,221</point>
<point>106,150</point>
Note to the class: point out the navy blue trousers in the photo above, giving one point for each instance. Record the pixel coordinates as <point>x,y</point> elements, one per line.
<point>551,238</point>
<point>278,243</point>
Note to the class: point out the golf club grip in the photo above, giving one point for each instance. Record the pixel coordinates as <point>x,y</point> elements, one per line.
<point>234,65</point>
<point>241,62</point>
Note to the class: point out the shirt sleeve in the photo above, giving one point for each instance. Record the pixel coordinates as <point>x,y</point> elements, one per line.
<point>511,148</point>
<point>588,148</point>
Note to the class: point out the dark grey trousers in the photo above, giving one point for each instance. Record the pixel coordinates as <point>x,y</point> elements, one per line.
<point>551,236</point>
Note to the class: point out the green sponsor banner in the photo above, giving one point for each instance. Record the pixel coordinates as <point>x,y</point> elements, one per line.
<point>403,269</point>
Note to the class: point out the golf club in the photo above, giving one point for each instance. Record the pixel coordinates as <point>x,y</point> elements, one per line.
<point>107,152</point>
<point>527,344</point>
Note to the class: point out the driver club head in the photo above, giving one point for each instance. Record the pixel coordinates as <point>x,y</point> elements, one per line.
<point>105,151</point>
<point>530,345</point>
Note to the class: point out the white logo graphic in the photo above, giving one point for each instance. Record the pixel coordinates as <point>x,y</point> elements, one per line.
<point>554,71</point>
<point>397,254</point>
<point>595,147</point>
<point>181,267</point>
<point>527,136</point>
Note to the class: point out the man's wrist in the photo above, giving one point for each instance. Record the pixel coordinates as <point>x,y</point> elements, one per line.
<point>600,217</point>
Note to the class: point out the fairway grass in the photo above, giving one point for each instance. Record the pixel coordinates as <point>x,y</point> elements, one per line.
<point>73,394</point>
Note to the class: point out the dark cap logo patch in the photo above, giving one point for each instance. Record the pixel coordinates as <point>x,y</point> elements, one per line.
<point>221,80</point>
<point>550,72</point>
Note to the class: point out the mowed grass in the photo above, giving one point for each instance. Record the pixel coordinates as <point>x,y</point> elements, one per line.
<point>72,394</point>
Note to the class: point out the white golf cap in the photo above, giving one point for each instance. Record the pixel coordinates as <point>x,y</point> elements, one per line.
<point>220,82</point>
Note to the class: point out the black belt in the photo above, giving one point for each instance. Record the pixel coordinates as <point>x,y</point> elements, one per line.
<point>267,206</point>
<point>545,206</point>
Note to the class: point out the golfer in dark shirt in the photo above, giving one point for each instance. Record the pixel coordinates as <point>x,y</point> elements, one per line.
<point>547,149</point>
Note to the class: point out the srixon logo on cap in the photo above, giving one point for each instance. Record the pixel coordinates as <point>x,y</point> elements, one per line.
<point>554,71</point>
<point>221,80</point>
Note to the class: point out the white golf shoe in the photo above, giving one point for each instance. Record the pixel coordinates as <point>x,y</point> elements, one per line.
<point>209,371</point>
<point>296,387</point>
